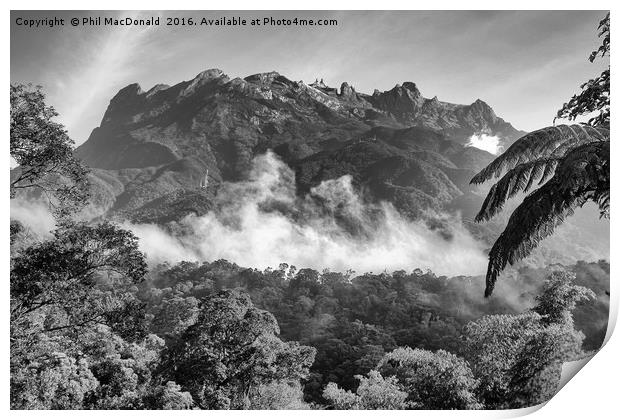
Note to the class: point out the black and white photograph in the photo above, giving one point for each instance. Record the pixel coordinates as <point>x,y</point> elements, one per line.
<point>306,209</point>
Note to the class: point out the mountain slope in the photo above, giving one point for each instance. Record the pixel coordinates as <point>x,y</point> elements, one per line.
<point>154,148</point>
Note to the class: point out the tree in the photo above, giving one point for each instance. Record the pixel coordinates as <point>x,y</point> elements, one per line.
<point>559,298</point>
<point>341,399</point>
<point>44,153</point>
<point>72,304</point>
<point>57,382</point>
<point>278,395</point>
<point>433,380</point>
<point>569,163</point>
<point>62,291</point>
<point>492,345</point>
<point>95,370</point>
<point>536,373</point>
<point>169,397</point>
<point>231,351</point>
<point>124,371</point>
<point>518,358</point>
<point>594,97</point>
<point>373,393</point>
<point>79,278</point>
<point>173,315</point>
<point>344,351</point>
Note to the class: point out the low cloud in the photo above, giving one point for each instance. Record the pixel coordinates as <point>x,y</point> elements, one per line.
<point>485,142</point>
<point>261,222</point>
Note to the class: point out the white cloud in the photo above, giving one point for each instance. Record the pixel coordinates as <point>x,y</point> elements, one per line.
<point>261,222</point>
<point>485,142</point>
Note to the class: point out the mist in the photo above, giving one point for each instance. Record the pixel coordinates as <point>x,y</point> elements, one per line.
<point>34,215</point>
<point>261,223</point>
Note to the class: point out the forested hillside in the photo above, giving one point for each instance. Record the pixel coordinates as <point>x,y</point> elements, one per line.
<point>99,331</point>
<point>353,321</point>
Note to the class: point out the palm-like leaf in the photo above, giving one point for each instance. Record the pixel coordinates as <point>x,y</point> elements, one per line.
<point>575,161</point>
<point>581,175</point>
<point>545,143</point>
<point>520,178</point>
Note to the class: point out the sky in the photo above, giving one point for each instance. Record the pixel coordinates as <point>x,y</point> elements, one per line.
<point>525,64</point>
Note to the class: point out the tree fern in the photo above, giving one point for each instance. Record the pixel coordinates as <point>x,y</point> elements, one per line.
<point>582,175</point>
<point>569,163</point>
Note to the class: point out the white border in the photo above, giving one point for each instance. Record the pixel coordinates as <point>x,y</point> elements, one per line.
<point>591,395</point>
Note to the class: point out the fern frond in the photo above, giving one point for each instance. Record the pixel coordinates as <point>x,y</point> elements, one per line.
<point>520,178</point>
<point>587,169</point>
<point>581,176</point>
<point>543,143</point>
<point>534,220</point>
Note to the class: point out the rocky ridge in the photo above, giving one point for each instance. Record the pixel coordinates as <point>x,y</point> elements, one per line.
<point>153,148</point>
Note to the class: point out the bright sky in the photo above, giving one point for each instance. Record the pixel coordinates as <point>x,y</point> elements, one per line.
<point>524,64</point>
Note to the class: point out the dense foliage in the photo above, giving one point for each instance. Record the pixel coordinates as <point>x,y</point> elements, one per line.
<point>92,328</point>
<point>232,350</point>
<point>208,335</point>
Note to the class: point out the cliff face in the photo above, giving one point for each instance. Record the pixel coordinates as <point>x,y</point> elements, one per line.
<point>159,144</point>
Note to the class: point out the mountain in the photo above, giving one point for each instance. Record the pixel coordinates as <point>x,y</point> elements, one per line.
<point>153,149</point>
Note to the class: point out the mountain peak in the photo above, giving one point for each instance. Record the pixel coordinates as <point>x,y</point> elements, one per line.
<point>128,98</point>
<point>410,86</point>
<point>483,108</point>
<point>346,90</point>
<point>210,74</point>
<point>402,101</point>
<point>131,90</point>
<point>263,78</point>
<point>480,103</point>
<point>319,84</point>
<point>157,88</point>
<point>265,104</point>
<point>203,78</point>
